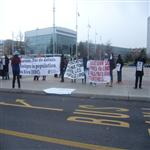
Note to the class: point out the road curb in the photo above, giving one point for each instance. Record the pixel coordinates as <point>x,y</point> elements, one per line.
<point>80,95</point>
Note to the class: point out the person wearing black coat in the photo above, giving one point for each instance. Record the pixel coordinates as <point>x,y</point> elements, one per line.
<point>15,63</point>
<point>63,65</point>
<point>119,65</point>
<point>139,63</point>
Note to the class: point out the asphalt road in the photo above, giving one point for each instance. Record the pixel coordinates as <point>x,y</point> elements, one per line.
<point>50,122</point>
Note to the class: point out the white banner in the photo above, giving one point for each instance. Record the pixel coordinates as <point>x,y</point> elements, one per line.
<point>139,66</point>
<point>118,67</point>
<point>75,69</point>
<point>99,71</point>
<point>40,66</point>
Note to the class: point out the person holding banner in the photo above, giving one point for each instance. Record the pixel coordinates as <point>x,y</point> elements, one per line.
<point>85,69</point>
<point>112,67</point>
<point>63,65</point>
<point>139,63</point>
<point>119,65</point>
<point>15,63</point>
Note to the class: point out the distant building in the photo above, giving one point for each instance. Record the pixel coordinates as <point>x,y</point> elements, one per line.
<point>148,36</point>
<point>40,41</point>
<point>98,52</point>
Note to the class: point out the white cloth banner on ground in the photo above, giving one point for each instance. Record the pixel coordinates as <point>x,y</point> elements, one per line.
<point>99,71</point>
<point>75,70</point>
<point>59,91</point>
<point>40,66</point>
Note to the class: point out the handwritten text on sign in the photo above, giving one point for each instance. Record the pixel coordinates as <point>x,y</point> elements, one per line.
<point>99,71</point>
<point>75,69</point>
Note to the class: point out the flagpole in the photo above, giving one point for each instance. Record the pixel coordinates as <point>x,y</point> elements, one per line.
<point>76,28</point>
<point>53,27</point>
<point>88,41</point>
<point>95,39</point>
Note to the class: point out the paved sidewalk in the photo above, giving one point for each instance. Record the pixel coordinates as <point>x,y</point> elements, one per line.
<point>122,91</point>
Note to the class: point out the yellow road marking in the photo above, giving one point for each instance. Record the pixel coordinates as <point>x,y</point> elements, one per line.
<point>56,140</point>
<point>149,132</point>
<point>32,107</point>
<point>103,108</point>
<point>99,121</point>
<point>23,102</point>
<point>146,114</point>
<point>99,113</point>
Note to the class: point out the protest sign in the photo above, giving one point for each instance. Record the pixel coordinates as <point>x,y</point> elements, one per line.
<point>40,66</point>
<point>99,71</point>
<point>139,66</point>
<point>118,66</point>
<point>75,70</point>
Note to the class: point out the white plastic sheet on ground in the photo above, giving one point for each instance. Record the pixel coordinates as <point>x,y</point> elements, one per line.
<point>59,91</point>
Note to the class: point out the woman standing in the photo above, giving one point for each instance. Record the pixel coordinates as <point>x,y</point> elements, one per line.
<point>15,63</point>
<point>119,65</point>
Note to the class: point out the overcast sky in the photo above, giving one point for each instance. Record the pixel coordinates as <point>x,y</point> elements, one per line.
<point>122,22</point>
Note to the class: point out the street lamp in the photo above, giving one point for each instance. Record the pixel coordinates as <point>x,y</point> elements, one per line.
<point>12,42</point>
<point>77,15</point>
<point>95,39</point>
<point>88,41</point>
<point>53,26</point>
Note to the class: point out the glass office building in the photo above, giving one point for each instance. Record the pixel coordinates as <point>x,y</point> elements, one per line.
<point>40,41</point>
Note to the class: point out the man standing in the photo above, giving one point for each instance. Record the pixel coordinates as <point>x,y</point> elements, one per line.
<point>6,68</point>
<point>15,63</point>
<point>62,67</point>
<point>119,65</point>
<point>139,63</point>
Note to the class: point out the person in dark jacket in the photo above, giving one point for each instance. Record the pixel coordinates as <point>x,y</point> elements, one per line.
<point>6,68</point>
<point>63,65</point>
<point>85,69</point>
<point>119,65</point>
<point>139,63</point>
<point>15,63</point>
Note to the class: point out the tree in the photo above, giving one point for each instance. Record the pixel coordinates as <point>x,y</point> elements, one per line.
<point>8,47</point>
<point>108,47</point>
<point>82,49</point>
<point>19,44</point>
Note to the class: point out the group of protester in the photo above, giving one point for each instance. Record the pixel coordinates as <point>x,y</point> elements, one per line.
<point>118,64</point>
<point>139,64</point>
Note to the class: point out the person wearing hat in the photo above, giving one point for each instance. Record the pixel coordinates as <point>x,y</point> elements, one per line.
<point>15,63</point>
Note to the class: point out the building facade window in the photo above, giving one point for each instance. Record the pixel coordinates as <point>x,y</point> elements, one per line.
<point>41,41</point>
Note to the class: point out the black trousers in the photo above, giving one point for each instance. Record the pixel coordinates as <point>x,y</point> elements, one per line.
<point>119,76</point>
<point>14,80</point>
<point>62,75</point>
<point>111,76</point>
<point>138,79</point>
<point>36,78</point>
